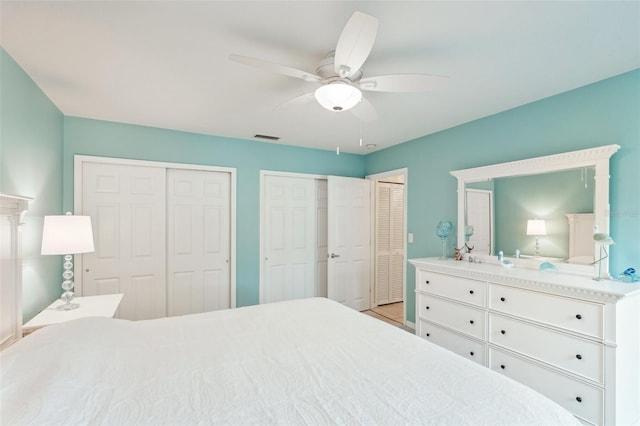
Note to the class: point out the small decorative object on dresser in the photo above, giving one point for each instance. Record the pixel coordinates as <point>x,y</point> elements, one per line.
<point>442,231</point>
<point>602,240</point>
<point>572,339</point>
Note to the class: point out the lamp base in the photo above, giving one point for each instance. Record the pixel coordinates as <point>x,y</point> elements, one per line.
<point>68,307</point>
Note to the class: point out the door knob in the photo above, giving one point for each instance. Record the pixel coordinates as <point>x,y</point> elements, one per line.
<point>333,255</point>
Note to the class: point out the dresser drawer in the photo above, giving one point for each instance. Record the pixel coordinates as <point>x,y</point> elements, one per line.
<point>568,352</point>
<point>464,346</point>
<point>462,318</point>
<point>582,400</point>
<point>462,289</point>
<point>570,314</point>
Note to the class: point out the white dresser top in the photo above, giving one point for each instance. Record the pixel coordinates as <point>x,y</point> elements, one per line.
<point>559,283</point>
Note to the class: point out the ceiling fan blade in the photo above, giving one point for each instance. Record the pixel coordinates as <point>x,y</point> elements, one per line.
<point>355,43</point>
<point>276,68</point>
<point>404,83</point>
<point>365,111</point>
<point>296,101</point>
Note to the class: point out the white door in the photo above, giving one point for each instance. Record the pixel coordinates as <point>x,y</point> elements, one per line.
<point>289,249</point>
<point>389,248</point>
<point>127,207</point>
<point>479,204</point>
<point>198,241</point>
<point>349,243</point>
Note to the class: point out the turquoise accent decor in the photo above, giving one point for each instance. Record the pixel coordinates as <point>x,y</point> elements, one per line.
<point>548,266</point>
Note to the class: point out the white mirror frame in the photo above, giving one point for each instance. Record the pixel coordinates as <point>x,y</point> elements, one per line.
<point>597,157</point>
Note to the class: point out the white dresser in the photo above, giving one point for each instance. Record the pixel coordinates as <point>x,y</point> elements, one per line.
<point>571,338</point>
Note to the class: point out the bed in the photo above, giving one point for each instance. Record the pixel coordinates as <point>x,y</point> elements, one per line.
<point>307,361</point>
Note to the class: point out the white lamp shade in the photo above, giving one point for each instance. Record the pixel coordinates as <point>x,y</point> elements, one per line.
<point>338,96</point>
<point>536,227</point>
<point>67,234</point>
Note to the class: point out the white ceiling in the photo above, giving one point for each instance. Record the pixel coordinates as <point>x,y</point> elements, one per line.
<point>165,64</point>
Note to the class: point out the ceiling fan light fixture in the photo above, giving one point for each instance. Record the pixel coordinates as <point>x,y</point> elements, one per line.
<point>338,96</point>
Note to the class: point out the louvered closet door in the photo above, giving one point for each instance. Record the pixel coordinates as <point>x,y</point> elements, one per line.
<point>127,208</point>
<point>198,241</point>
<point>389,242</point>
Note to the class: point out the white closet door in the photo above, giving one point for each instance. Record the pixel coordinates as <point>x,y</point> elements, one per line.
<point>396,241</point>
<point>389,242</point>
<point>349,274</point>
<point>383,243</point>
<point>480,215</point>
<point>290,244</point>
<point>127,205</point>
<point>198,241</point>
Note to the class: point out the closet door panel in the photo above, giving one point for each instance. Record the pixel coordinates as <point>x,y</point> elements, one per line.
<point>289,264</point>
<point>389,242</point>
<point>127,204</point>
<point>198,223</point>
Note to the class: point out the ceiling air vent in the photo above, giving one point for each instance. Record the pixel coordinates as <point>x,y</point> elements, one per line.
<point>267,137</point>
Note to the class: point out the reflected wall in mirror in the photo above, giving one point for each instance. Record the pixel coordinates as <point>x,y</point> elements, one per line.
<point>518,199</point>
<point>569,191</point>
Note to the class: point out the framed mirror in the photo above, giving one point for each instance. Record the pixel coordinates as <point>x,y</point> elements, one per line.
<point>568,193</point>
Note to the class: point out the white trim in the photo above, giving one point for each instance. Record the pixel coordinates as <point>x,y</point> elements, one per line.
<point>598,157</point>
<point>290,174</point>
<point>14,209</point>
<point>378,176</point>
<point>79,160</point>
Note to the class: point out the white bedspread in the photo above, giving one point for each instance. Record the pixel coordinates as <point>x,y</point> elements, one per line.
<point>308,361</point>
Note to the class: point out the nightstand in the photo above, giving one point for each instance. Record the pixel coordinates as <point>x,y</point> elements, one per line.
<point>90,306</point>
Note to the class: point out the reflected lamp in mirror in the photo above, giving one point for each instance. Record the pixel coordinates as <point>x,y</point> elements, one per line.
<point>67,235</point>
<point>537,228</point>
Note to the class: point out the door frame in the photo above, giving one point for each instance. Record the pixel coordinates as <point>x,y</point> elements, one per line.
<point>263,174</point>
<point>375,177</point>
<point>78,162</point>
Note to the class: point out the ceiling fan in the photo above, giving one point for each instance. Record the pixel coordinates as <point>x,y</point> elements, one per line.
<point>340,73</point>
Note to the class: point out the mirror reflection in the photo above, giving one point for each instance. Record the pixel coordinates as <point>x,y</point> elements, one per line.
<point>546,215</point>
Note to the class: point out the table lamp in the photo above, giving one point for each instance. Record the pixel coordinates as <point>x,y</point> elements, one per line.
<point>67,235</point>
<point>536,227</point>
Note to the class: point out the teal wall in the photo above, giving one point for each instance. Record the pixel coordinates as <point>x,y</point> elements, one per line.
<point>102,138</point>
<point>607,112</point>
<point>31,148</point>
<point>37,141</point>
<point>550,197</point>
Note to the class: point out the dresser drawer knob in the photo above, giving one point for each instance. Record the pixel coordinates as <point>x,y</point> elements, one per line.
<point>502,299</point>
<point>470,321</point>
<point>471,353</point>
<point>579,356</point>
<point>426,307</point>
<point>428,334</point>
<point>503,366</point>
<point>503,331</point>
<point>579,398</point>
<point>426,282</point>
<point>578,316</point>
<point>470,291</point>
